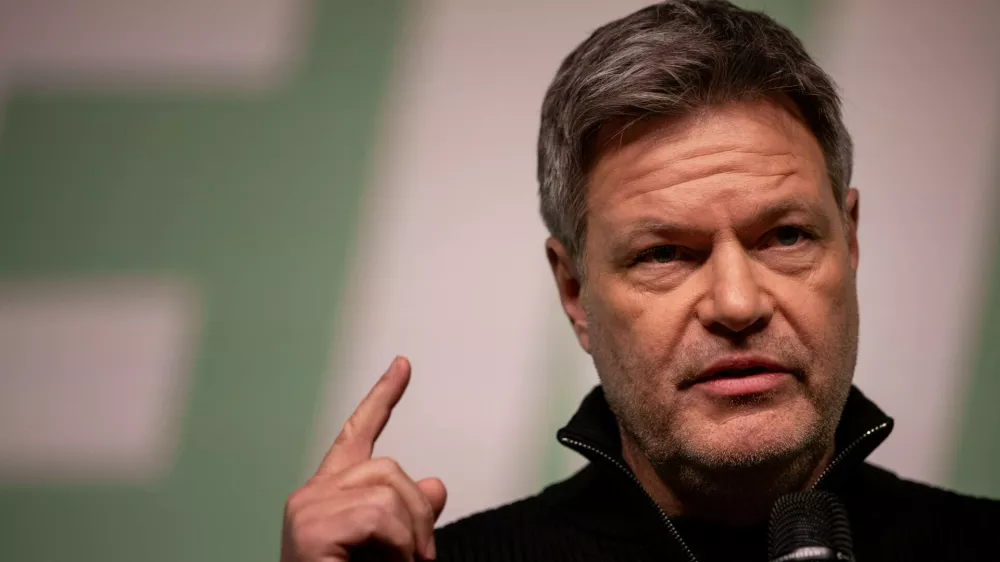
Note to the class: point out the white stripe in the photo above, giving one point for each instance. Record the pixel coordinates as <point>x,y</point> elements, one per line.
<point>450,266</point>
<point>94,377</point>
<point>164,45</point>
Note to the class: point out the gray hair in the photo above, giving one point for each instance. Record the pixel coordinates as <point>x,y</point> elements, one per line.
<point>673,58</point>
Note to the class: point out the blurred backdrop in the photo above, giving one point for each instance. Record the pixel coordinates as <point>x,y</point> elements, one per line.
<point>219,221</point>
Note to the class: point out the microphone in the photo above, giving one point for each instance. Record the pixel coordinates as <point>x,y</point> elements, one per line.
<point>807,527</point>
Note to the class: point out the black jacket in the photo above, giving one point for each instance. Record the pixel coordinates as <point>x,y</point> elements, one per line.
<point>602,513</point>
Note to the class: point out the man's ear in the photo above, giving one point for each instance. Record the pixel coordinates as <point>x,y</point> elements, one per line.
<point>852,206</point>
<point>569,284</point>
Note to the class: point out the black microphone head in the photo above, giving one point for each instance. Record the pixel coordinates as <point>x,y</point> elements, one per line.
<point>809,525</point>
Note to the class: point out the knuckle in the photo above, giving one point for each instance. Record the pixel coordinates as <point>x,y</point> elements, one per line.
<point>406,542</point>
<point>383,523</point>
<point>295,501</point>
<point>385,498</point>
<point>386,465</point>
<point>348,432</point>
<point>369,517</point>
<point>424,510</point>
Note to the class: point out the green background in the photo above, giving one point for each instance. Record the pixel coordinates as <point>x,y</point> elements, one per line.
<point>251,197</point>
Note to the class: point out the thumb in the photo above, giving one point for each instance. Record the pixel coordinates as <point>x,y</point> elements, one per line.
<point>437,495</point>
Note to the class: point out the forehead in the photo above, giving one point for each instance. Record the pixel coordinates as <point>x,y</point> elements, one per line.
<point>727,158</point>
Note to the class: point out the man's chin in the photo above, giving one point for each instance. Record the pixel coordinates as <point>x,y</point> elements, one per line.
<point>757,437</point>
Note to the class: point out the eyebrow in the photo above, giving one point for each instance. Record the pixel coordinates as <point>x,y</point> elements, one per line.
<point>773,212</point>
<point>767,213</point>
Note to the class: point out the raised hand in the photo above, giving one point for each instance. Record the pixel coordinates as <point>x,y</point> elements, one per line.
<point>356,503</point>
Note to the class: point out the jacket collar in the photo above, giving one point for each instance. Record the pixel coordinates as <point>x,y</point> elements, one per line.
<point>863,426</point>
<point>618,506</point>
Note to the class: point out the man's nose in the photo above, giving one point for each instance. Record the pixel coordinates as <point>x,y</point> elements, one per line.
<point>734,301</point>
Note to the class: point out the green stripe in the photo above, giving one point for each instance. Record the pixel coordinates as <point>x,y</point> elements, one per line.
<point>977,462</point>
<point>252,197</point>
<point>800,16</point>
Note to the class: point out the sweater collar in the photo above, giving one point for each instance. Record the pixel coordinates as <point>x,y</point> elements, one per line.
<point>593,432</point>
<point>863,426</point>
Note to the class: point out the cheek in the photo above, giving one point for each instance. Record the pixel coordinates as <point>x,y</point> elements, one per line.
<point>833,286</point>
<point>821,307</point>
<point>612,314</point>
<point>640,325</point>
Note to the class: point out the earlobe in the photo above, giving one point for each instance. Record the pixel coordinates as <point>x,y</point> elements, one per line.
<point>852,208</point>
<point>569,285</point>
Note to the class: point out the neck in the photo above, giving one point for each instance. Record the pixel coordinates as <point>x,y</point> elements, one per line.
<point>741,496</point>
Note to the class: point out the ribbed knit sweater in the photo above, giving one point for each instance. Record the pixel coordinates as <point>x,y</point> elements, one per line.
<point>602,513</point>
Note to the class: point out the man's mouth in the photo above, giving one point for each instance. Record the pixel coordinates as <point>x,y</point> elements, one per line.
<point>740,375</point>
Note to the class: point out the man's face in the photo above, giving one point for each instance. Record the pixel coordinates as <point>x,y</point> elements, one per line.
<point>715,242</point>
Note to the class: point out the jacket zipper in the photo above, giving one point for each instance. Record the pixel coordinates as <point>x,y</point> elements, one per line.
<point>663,516</point>
<point>846,450</point>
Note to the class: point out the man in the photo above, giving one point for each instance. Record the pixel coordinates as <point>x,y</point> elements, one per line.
<point>694,175</point>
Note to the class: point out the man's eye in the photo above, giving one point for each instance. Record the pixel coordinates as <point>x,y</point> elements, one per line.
<point>787,236</point>
<point>659,254</point>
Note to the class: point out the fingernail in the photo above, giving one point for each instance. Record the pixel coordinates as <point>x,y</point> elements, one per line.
<point>431,550</point>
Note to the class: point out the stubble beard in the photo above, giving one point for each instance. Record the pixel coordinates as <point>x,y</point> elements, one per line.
<point>736,481</point>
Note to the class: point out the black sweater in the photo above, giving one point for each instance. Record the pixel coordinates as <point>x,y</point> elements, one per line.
<point>602,513</point>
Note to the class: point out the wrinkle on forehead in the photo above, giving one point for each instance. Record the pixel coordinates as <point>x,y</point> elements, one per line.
<point>643,178</point>
<point>758,139</point>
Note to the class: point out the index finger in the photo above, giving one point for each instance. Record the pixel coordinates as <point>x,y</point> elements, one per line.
<point>356,440</point>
